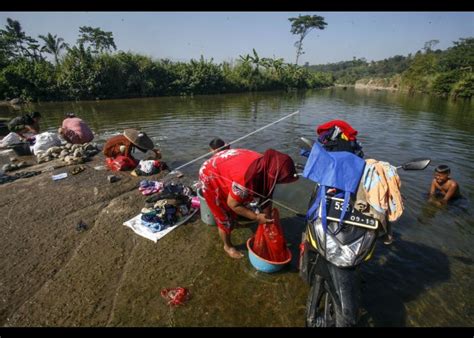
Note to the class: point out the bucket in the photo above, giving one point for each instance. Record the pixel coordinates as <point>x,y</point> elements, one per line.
<point>21,149</point>
<point>206,214</point>
<point>262,264</point>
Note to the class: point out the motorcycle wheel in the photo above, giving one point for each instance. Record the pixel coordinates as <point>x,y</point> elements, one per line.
<point>322,309</point>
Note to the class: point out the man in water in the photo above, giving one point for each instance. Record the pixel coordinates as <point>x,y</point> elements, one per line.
<point>443,186</point>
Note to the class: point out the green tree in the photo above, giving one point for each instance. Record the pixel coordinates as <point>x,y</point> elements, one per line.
<point>53,45</point>
<point>301,26</point>
<point>15,43</point>
<point>78,74</point>
<point>100,40</point>
<point>429,45</point>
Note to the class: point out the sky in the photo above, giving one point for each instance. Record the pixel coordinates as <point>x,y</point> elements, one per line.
<point>224,36</point>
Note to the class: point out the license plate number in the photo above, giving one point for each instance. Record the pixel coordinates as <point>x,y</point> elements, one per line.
<point>352,216</point>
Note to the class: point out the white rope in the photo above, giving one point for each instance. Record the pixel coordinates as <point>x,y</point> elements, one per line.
<point>237,140</point>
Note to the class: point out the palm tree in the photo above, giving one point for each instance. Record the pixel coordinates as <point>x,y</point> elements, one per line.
<point>53,45</point>
<point>255,59</point>
<point>13,37</point>
<point>35,50</point>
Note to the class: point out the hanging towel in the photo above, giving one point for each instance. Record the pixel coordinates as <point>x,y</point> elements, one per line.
<point>382,186</point>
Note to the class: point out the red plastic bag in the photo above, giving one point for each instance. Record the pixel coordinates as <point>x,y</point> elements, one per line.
<point>260,244</point>
<point>269,242</point>
<point>120,163</point>
<point>176,296</point>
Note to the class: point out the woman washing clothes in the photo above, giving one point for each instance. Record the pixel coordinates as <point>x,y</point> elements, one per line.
<point>232,178</point>
<point>118,149</point>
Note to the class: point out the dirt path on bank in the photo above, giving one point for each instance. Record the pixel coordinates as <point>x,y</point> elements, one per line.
<point>53,275</point>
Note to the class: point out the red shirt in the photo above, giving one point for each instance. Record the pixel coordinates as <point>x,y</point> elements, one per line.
<point>224,174</point>
<point>112,146</point>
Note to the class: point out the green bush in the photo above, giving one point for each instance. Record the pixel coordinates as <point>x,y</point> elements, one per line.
<point>464,88</point>
<point>28,80</point>
<point>443,83</point>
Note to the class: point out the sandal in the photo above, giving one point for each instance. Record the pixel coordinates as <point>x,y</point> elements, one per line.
<point>78,170</point>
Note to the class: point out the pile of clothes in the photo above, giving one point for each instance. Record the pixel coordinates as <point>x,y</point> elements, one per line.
<point>171,202</point>
<point>338,135</point>
<point>149,167</point>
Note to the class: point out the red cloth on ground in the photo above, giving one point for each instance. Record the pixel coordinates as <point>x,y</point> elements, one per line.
<point>346,128</point>
<point>224,174</point>
<point>121,163</point>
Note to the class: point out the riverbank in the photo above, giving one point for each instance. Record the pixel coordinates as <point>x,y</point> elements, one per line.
<point>54,275</point>
<point>392,84</point>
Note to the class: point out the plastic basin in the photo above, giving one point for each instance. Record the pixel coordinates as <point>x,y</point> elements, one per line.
<point>21,149</point>
<point>206,214</point>
<point>262,264</point>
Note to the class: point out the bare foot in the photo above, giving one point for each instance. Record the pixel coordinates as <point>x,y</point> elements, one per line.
<point>232,252</point>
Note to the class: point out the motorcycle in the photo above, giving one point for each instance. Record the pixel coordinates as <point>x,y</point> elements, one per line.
<point>329,260</point>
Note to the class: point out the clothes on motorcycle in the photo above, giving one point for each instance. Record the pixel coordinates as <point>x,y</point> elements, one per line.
<point>338,135</point>
<point>334,139</point>
<point>343,126</point>
<point>343,145</point>
<point>382,186</point>
<point>340,170</point>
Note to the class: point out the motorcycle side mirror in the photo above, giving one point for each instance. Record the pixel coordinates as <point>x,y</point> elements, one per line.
<point>305,143</point>
<point>416,164</point>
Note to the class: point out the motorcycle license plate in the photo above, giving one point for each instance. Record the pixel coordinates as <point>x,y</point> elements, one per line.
<point>352,216</point>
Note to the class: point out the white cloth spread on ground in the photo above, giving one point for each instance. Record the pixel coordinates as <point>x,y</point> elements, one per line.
<point>9,140</point>
<point>136,225</point>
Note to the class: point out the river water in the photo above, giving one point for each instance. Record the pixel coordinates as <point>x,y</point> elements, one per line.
<point>425,277</point>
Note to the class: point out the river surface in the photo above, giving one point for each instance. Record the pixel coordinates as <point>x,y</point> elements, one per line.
<point>425,277</point>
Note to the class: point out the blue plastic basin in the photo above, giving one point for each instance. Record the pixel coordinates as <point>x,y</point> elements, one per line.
<point>262,264</point>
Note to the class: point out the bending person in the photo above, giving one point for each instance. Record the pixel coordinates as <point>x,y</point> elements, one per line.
<point>74,130</point>
<point>232,178</point>
<point>125,144</point>
<point>28,123</point>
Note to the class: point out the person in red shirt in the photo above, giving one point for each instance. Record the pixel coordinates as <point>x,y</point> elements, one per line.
<point>122,146</point>
<point>232,178</point>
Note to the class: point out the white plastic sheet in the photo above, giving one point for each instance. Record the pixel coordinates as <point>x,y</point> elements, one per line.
<point>136,225</point>
<point>46,140</point>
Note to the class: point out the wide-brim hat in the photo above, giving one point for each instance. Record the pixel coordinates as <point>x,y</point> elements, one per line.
<point>139,138</point>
